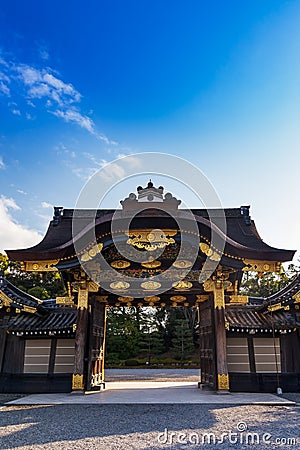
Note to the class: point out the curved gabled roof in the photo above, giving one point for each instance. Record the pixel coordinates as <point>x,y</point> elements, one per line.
<point>242,238</point>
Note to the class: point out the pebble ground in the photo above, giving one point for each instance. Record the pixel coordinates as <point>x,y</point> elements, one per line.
<point>114,427</point>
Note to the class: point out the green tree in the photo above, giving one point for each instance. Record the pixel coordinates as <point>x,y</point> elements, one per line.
<point>262,286</point>
<point>3,262</point>
<point>122,333</point>
<point>39,292</point>
<point>182,342</point>
<point>151,344</point>
<point>43,286</point>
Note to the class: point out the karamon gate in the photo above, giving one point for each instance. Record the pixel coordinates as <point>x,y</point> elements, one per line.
<point>103,264</point>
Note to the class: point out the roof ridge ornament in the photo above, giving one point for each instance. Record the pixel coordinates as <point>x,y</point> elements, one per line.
<point>58,211</point>
<point>150,194</point>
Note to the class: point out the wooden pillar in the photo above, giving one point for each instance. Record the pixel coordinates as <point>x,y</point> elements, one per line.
<point>78,380</point>
<point>220,337</point>
<point>251,354</point>
<point>52,356</point>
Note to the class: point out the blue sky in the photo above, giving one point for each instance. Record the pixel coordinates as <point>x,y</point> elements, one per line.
<point>217,83</point>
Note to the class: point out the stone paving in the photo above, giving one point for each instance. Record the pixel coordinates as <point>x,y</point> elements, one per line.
<point>152,392</point>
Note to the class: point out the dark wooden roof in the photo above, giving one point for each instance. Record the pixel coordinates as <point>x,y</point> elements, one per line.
<point>58,321</point>
<point>32,316</point>
<point>19,299</point>
<point>248,317</point>
<point>242,238</point>
<point>283,298</point>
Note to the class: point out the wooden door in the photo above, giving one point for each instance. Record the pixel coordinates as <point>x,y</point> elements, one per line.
<point>207,344</point>
<point>97,330</point>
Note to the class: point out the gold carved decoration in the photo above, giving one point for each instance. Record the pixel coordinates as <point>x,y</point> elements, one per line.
<point>102,298</point>
<point>91,253</point>
<point>297,297</point>
<point>150,285</point>
<point>201,298</point>
<point>66,301</point>
<point>4,300</point>
<point>208,285</point>
<point>217,287</point>
<point>151,264</point>
<point>239,299</point>
<point>40,266</point>
<point>219,298</point>
<point>261,266</point>
<point>126,299</point>
<point>182,285</point>
<point>223,382</point>
<point>182,264</point>
<point>152,299</point>
<point>83,299</point>
<point>77,382</point>
<point>208,251</point>
<point>275,307</point>
<point>121,264</point>
<point>119,285</point>
<point>151,240</point>
<point>178,298</point>
<point>29,309</point>
<point>92,286</point>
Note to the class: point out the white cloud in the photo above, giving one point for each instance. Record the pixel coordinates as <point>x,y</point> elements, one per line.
<point>2,165</point>
<point>12,234</point>
<point>41,83</point>
<point>4,81</point>
<point>39,90</point>
<point>16,112</point>
<point>4,89</point>
<point>73,115</point>
<point>3,62</point>
<point>29,75</point>
<point>76,117</point>
<point>20,191</point>
<point>61,87</point>
<point>43,51</point>
<point>108,171</point>
<point>60,98</point>
<point>46,205</point>
<point>112,171</point>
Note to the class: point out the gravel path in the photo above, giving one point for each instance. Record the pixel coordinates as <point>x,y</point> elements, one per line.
<point>152,374</point>
<point>122,427</point>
